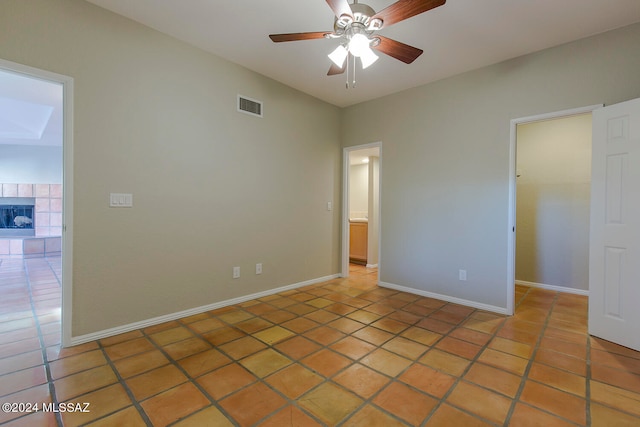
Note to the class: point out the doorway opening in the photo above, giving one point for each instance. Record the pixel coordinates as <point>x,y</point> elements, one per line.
<point>36,165</point>
<point>544,203</point>
<point>361,224</point>
<point>553,174</point>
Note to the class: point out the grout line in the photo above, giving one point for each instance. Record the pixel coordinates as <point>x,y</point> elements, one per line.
<point>190,379</point>
<point>122,382</point>
<point>534,352</point>
<point>43,346</point>
<point>322,347</point>
<point>459,378</point>
<point>395,379</point>
<point>392,379</point>
<point>531,360</point>
<point>325,379</point>
<point>321,291</point>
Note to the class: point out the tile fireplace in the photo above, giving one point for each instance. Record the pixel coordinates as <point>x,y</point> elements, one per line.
<point>30,219</point>
<point>17,216</point>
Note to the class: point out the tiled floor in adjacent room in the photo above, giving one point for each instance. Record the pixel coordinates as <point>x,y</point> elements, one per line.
<point>344,353</point>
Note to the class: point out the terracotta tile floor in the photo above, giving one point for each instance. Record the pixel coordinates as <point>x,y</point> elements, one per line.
<point>344,352</point>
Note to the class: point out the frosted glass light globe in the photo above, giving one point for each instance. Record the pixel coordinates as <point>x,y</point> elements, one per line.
<point>358,44</point>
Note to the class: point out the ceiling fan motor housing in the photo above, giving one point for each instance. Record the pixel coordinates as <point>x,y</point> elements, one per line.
<point>361,14</point>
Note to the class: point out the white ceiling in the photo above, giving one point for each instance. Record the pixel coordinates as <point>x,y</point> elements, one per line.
<point>30,111</point>
<point>460,36</point>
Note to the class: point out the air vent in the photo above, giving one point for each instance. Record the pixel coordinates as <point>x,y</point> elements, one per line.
<point>249,106</point>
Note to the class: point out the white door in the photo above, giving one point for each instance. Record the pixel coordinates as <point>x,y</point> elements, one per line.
<point>614,256</point>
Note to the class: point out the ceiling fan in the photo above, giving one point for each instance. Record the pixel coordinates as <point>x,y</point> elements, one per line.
<point>356,27</point>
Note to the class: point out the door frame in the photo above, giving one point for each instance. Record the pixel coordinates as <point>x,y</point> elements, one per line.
<point>511,230</point>
<point>67,183</point>
<point>345,204</point>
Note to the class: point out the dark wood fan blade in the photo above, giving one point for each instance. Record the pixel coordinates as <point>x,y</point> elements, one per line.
<point>340,7</point>
<point>291,37</point>
<point>400,51</point>
<point>335,70</point>
<point>405,9</point>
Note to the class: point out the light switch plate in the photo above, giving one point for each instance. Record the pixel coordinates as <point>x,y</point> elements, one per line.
<point>121,200</point>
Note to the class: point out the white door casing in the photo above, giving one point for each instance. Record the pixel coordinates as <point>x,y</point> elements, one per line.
<point>614,253</point>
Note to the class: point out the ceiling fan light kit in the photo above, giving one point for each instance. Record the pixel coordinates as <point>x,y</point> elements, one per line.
<point>355,26</point>
<point>339,55</point>
<point>367,58</point>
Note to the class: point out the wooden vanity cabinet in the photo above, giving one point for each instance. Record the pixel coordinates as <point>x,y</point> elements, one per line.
<point>358,234</point>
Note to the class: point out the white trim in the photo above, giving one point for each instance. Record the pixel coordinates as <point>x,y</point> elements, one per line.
<point>67,184</point>
<point>372,266</point>
<point>555,288</point>
<point>345,203</point>
<point>511,234</point>
<point>81,339</point>
<point>468,303</point>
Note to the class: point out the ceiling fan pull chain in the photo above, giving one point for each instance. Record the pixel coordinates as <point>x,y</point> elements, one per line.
<point>347,73</point>
<point>353,84</point>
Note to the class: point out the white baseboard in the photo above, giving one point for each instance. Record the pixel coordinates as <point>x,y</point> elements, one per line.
<point>372,265</point>
<point>553,288</point>
<point>81,339</point>
<point>474,304</point>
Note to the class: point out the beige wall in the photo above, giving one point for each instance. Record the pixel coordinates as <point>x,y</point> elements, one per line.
<point>553,196</point>
<point>444,189</point>
<point>212,188</point>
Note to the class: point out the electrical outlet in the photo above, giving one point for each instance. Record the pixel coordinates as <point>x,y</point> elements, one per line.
<point>462,275</point>
<point>259,268</point>
<point>236,272</point>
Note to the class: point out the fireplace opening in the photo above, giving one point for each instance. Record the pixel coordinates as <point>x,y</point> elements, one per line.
<point>17,216</point>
